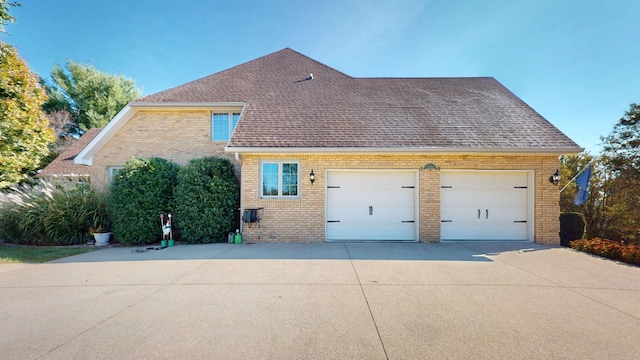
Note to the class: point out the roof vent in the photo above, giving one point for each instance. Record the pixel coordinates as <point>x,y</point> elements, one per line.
<point>310,76</point>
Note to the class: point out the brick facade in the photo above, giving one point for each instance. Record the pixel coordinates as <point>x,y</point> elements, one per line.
<point>302,219</point>
<point>178,136</point>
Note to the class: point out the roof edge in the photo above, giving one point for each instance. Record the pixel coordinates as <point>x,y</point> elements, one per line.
<point>85,156</point>
<point>411,150</point>
<point>183,105</point>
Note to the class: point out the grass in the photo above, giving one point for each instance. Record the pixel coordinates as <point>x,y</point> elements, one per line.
<point>37,254</point>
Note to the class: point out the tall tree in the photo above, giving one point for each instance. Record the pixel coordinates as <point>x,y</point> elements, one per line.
<point>92,97</point>
<point>622,149</point>
<point>24,129</point>
<point>622,146</point>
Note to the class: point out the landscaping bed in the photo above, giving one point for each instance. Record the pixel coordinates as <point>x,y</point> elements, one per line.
<point>615,250</point>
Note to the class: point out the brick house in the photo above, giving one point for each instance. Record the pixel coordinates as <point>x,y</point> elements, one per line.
<point>393,159</point>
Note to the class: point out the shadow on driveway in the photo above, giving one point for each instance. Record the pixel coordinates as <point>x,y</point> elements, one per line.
<point>448,251</point>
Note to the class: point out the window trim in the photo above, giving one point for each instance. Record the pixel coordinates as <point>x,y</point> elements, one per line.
<point>111,171</point>
<point>231,123</point>
<point>279,163</point>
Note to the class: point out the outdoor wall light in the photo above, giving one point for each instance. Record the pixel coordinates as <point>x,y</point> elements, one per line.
<point>312,177</point>
<point>555,178</point>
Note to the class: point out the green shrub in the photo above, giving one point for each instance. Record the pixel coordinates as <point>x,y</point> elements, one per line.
<point>627,253</point>
<point>572,227</point>
<point>138,194</point>
<point>51,212</point>
<point>206,200</point>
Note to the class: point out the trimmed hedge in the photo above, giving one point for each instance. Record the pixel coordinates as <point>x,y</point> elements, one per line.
<point>138,194</point>
<point>206,199</point>
<point>627,253</point>
<point>572,226</point>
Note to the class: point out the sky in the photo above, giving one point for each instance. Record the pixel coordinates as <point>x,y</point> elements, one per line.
<point>575,62</point>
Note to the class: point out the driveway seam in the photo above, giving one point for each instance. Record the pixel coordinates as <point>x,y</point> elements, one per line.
<point>367,302</point>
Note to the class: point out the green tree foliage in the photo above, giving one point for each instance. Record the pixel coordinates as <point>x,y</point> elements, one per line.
<point>206,200</point>
<point>92,97</point>
<point>5,18</point>
<point>622,146</point>
<point>622,152</point>
<point>612,210</point>
<point>24,129</point>
<point>139,193</point>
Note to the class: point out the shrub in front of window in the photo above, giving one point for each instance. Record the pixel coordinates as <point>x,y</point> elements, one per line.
<point>206,200</point>
<point>139,192</point>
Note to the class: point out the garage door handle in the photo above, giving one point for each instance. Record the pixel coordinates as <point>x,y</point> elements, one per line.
<point>478,213</point>
<point>370,210</point>
<point>487,210</point>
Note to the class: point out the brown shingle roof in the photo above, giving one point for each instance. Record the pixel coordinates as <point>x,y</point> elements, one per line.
<point>63,165</point>
<point>338,111</point>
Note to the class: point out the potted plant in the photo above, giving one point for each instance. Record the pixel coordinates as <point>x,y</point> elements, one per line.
<point>100,234</point>
<point>101,226</point>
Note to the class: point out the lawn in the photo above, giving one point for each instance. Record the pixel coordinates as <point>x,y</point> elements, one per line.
<point>38,254</point>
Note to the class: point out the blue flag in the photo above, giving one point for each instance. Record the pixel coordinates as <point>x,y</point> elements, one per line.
<point>583,186</point>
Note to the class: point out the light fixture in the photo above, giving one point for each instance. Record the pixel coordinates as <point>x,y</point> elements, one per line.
<point>555,178</point>
<point>312,177</point>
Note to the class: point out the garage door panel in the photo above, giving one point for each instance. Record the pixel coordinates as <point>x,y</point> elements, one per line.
<point>479,231</point>
<point>370,196</point>
<point>375,214</point>
<point>371,205</point>
<point>475,197</point>
<point>370,231</point>
<point>484,205</point>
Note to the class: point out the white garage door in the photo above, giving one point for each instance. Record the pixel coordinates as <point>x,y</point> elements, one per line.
<point>484,205</point>
<point>371,205</point>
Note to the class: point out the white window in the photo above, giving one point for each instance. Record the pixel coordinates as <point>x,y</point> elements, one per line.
<point>222,125</point>
<point>112,171</point>
<point>279,179</point>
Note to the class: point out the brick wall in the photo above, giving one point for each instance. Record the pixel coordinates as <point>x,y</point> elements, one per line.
<point>173,135</point>
<point>302,219</point>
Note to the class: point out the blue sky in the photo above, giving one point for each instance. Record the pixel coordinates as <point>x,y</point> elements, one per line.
<point>576,62</point>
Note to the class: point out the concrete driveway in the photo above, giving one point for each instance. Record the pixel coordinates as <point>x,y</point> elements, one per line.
<point>475,300</point>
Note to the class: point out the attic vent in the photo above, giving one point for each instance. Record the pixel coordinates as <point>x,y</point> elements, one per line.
<point>310,76</point>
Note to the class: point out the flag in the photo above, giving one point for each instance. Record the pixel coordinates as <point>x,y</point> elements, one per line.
<point>583,186</point>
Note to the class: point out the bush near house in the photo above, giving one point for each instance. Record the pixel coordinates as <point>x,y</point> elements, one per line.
<point>139,192</point>
<point>206,199</point>
<point>50,212</point>
<point>627,253</point>
<point>572,226</point>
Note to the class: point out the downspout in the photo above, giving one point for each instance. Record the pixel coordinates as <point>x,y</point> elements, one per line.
<point>239,161</point>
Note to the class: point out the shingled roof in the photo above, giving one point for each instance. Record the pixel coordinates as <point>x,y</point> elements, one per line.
<point>63,165</point>
<point>285,109</point>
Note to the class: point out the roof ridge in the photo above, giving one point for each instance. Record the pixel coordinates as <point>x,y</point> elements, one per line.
<point>246,64</point>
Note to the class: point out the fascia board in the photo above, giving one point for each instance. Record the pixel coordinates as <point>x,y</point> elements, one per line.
<point>85,157</point>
